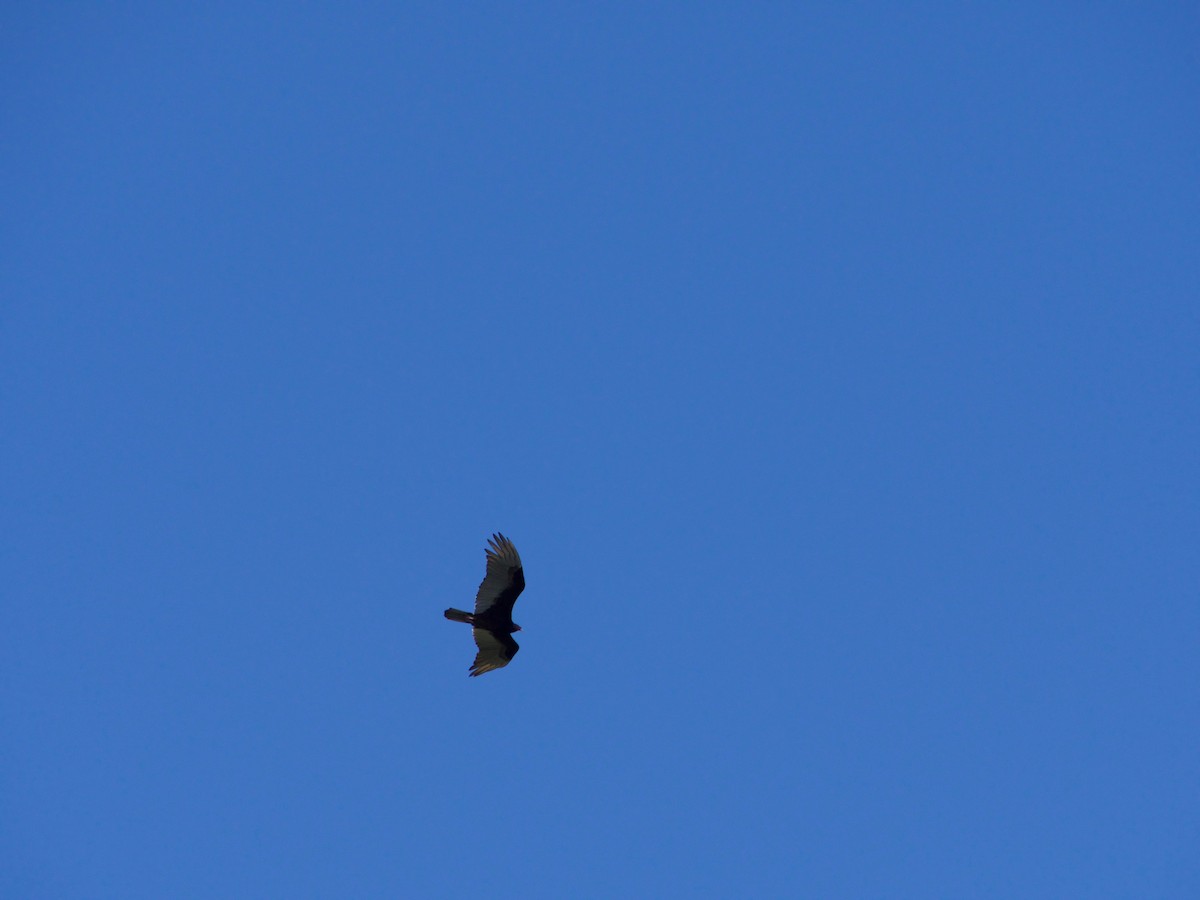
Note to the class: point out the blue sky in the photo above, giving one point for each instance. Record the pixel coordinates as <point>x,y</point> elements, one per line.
<point>833,367</point>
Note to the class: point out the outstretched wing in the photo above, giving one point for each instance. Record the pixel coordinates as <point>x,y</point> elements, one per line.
<point>504,581</point>
<point>495,651</point>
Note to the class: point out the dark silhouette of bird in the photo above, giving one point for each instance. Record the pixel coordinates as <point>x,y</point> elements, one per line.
<point>492,622</point>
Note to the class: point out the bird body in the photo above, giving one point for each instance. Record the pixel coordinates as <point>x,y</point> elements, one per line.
<point>491,623</point>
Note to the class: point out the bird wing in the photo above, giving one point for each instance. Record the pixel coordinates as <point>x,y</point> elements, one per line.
<point>504,581</point>
<point>495,650</point>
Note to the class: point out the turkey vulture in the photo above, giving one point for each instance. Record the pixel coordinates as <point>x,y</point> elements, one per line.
<point>492,622</point>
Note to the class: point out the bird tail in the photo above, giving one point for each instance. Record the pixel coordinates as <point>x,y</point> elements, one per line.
<point>457,615</point>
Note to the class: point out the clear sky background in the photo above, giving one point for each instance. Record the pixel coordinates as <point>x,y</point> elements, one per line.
<point>833,367</point>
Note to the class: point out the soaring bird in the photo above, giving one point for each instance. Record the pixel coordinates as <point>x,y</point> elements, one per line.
<point>492,622</point>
